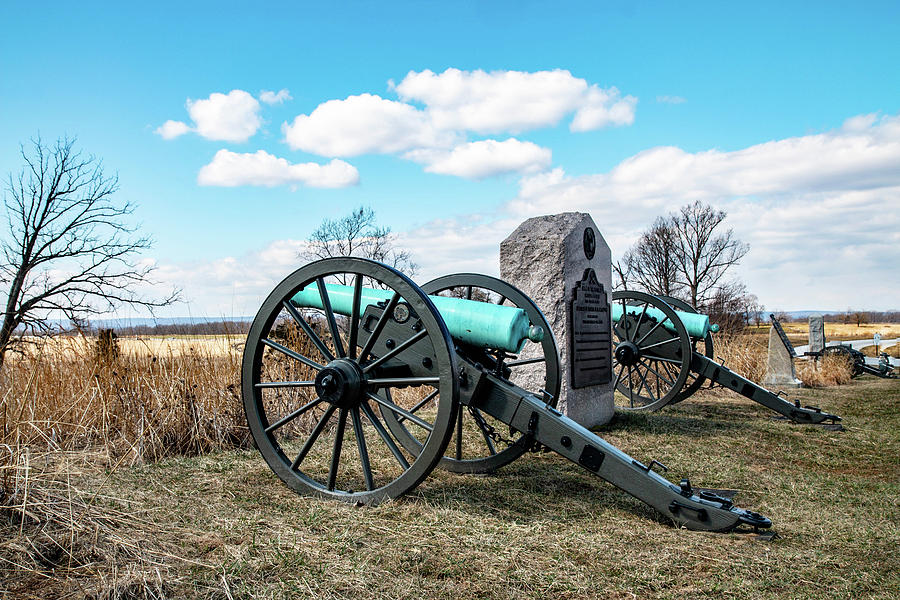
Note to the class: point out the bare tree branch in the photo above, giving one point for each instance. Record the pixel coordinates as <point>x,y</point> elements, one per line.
<point>358,234</point>
<point>68,247</point>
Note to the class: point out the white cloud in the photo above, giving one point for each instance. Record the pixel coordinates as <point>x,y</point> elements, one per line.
<point>364,124</point>
<point>231,117</point>
<point>231,169</point>
<point>854,157</point>
<point>172,129</point>
<point>514,101</point>
<point>486,158</point>
<point>670,100</point>
<point>232,286</point>
<point>275,97</point>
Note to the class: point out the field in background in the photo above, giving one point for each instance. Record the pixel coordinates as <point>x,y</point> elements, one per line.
<point>840,331</point>
<point>132,477</point>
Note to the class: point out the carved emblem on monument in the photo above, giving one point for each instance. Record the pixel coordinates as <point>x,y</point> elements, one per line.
<point>591,355</point>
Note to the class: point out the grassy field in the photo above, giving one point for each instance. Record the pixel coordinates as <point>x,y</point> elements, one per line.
<point>221,525</point>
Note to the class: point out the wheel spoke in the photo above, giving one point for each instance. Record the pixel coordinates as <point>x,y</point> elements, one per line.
<point>292,415</point>
<point>329,315</point>
<point>625,320</point>
<point>397,381</point>
<point>336,451</point>
<point>527,361</point>
<point>421,403</point>
<point>659,375</point>
<point>354,317</point>
<point>630,386</point>
<point>379,327</point>
<point>652,329</point>
<point>400,411</point>
<point>668,341</point>
<point>667,360</point>
<point>308,330</point>
<point>459,417</point>
<point>313,436</point>
<point>501,301</point>
<point>397,350</point>
<point>641,318</point>
<point>468,292</point>
<point>645,385</point>
<point>361,446</point>
<point>295,355</point>
<point>285,384</point>
<point>385,437</point>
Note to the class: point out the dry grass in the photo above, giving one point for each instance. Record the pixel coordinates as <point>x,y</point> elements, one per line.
<point>63,396</point>
<point>842,331</point>
<point>742,353</point>
<point>829,370</point>
<point>122,480</point>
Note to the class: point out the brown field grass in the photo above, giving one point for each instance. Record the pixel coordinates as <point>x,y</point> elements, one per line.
<point>133,478</point>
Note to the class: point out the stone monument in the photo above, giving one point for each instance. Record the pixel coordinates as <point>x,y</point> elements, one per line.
<point>816,333</point>
<point>564,264</point>
<point>780,363</point>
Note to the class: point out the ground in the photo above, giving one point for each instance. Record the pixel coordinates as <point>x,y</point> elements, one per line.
<point>222,525</point>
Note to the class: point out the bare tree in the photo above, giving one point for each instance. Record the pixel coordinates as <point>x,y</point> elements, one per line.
<point>358,234</point>
<point>704,254</point>
<point>67,250</point>
<point>652,264</point>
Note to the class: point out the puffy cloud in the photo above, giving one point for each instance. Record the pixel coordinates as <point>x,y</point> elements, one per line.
<point>231,117</point>
<point>275,97</point>
<point>486,158</point>
<point>514,101</point>
<point>364,124</point>
<point>231,169</point>
<point>172,129</point>
<point>854,157</point>
<point>231,286</point>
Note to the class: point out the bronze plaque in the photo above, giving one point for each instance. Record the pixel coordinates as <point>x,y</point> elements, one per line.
<point>590,336</point>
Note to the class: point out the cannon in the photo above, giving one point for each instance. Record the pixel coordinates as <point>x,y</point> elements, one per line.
<point>664,353</point>
<point>357,383</point>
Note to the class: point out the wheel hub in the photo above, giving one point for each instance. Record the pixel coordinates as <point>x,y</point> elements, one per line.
<point>341,383</point>
<point>627,353</point>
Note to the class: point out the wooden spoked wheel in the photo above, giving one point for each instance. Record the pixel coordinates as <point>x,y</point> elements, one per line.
<point>704,345</point>
<point>651,352</point>
<point>313,380</point>
<point>481,444</point>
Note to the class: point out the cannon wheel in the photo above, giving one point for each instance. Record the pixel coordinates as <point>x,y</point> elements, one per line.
<point>493,452</point>
<point>649,373</point>
<point>309,399</point>
<point>694,382</point>
<point>852,356</point>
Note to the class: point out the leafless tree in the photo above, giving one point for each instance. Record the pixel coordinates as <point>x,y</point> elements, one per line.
<point>68,250</point>
<point>688,256</point>
<point>704,254</point>
<point>358,234</point>
<point>652,264</point>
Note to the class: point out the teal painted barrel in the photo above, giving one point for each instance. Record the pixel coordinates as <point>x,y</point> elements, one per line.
<point>480,324</point>
<point>697,325</point>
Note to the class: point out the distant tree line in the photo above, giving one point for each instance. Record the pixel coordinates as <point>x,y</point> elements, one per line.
<point>852,317</point>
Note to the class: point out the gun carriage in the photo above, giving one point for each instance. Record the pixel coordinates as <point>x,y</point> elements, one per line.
<point>348,352</point>
<point>664,353</point>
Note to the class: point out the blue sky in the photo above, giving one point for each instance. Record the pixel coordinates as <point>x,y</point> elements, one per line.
<point>783,114</point>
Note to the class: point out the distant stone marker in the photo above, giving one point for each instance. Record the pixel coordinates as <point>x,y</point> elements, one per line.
<point>780,364</point>
<point>816,334</point>
<point>564,264</point>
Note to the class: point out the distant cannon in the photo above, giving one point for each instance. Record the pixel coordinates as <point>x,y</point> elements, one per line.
<point>381,365</point>
<point>664,353</point>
